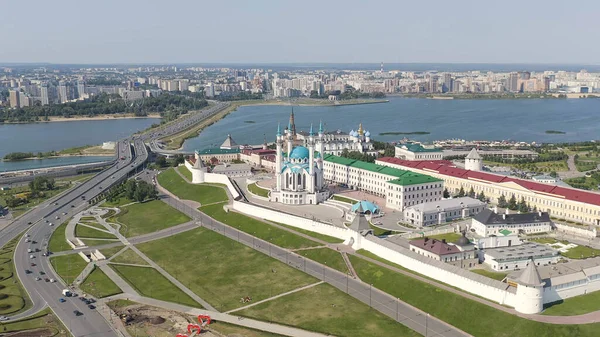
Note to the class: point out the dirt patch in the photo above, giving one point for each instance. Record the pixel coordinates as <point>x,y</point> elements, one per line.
<point>32,333</point>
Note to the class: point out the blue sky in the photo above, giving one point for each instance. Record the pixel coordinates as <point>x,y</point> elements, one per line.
<point>257,31</point>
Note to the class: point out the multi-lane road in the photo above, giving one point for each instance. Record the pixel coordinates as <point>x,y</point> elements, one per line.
<point>37,225</point>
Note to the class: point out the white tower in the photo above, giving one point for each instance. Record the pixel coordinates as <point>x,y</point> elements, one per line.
<point>530,291</point>
<point>321,146</point>
<point>473,161</point>
<point>278,156</point>
<point>311,161</point>
<point>289,140</point>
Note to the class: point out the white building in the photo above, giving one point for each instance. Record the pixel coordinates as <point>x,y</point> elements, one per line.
<point>299,174</point>
<point>544,179</point>
<point>336,142</point>
<point>400,188</point>
<point>233,170</point>
<point>414,151</point>
<point>442,211</point>
<point>517,257</point>
<point>473,161</point>
<point>443,251</point>
<point>488,223</point>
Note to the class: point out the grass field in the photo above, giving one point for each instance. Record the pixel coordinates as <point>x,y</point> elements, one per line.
<point>108,252</point>
<point>58,241</point>
<point>234,330</point>
<point>326,256</point>
<point>159,288</point>
<point>32,202</point>
<point>546,166</point>
<point>99,285</point>
<point>313,309</point>
<point>117,201</point>
<point>204,194</point>
<point>544,240</point>
<point>262,230</point>
<point>344,199</point>
<point>581,252</point>
<point>86,232</point>
<point>577,305</point>
<point>220,270</point>
<point>490,274</point>
<point>377,231</point>
<point>16,299</point>
<point>450,237</point>
<point>92,224</point>
<point>428,298</point>
<point>42,320</point>
<point>148,217</point>
<point>130,257</point>
<point>186,173</point>
<point>68,267</point>
<point>98,242</point>
<point>261,192</point>
<point>323,237</point>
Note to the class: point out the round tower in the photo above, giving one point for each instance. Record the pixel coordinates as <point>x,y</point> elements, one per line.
<point>530,291</point>
<point>473,161</point>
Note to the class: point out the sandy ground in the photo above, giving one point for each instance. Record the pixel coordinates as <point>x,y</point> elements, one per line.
<point>97,118</point>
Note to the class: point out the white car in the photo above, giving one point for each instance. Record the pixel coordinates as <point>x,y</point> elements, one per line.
<point>4,318</point>
<point>51,224</point>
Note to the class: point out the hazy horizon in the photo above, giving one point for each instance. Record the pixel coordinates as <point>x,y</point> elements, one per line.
<point>271,32</point>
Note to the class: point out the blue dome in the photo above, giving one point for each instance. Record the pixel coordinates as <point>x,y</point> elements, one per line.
<point>366,206</point>
<point>299,152</point>
<point>367,134</point>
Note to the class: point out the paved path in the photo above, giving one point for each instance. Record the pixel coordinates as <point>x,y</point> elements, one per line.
<point>222,317</point>
<point>349,265</point>
<point>119,281</point>
<point>276,297</point>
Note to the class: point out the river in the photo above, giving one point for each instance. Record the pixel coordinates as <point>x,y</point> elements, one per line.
<point>44,137</point>
<point>519,119</point>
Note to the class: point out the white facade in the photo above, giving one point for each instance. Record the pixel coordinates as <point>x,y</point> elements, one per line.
<point>518,257</point>
<point>412,152</point>
<point>336,142</point>
<point>473,161</point>
<point>525,226</point>
<point>233,170</point>
<point>442,211</point>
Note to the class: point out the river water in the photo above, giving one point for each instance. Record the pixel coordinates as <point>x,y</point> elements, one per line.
<point>44,137</point>
<point>522,120</point>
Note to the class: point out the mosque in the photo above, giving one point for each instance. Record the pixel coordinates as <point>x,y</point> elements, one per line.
<point>299,171</point>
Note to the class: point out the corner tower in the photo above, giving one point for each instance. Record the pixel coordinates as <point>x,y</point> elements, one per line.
<point>473,161</point>
<point>530,291</point>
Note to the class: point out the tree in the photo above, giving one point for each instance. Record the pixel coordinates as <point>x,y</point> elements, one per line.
<point>534,209</point>
<point>446,193</point>
<point>461,192</point>
<point>12,202</point>
<point>471,193</point>
<point>502,202</point>
<point>512,203</point>
<point>522,206</point>
<point>130,187</point>
<point>161,161</point>
<point>481,196</point>
<point>553,174</point>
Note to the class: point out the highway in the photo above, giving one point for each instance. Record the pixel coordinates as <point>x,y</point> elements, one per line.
<point>59,209</point>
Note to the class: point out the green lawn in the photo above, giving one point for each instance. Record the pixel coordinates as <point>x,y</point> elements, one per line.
<point>327,310</point>
<point>61,186</point>
<point>41,320</point>
<point>227,329</point>
<point>267,232</point>
<point>92,224</point>
<point>577,305</point>
<point>490,274</point>
<point>99,285</point>
<point>450,237</point>
<point>148,217</point>
<point>378,231</point>
<point>473,317</point>
<point>581,252</point>
<point>98,242</point>
<point>68,267</point>
<point>16,299</point>
<point>255,189</point>
<point>86,232</point>
<point>204,194</point>
<point>319,236</point>
<point>185,172</point>
<point>220,270</point>
<point>130,257</point>
<point>117,201</point>
<point>544,240</point>
<point>108,252</point>
<point>344,199</point>
<point>326,256</point>
<point>149,282</point>
<point>58,241</point>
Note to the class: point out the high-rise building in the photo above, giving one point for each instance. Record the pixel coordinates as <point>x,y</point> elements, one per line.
<point>525,75</point>
<point>433,84</point>
<point>448,83</point>
<point>80,89</point>
<point>513,82</point>
<point>209,91</point>
<point>15,99</point>
<point>63,96</point>
<point>44,94</point>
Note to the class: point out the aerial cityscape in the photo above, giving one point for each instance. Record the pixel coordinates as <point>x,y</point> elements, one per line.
<point>319,169</point>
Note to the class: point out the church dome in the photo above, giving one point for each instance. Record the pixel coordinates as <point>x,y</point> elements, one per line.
<point>299,152</point>
<point>367,134</point>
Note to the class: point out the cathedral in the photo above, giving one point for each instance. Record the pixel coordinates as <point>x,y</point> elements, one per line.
<point>299,171</point>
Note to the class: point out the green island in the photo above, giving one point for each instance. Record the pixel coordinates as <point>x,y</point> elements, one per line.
<point>396,133</point>
<point>250,122</point>
<point>555,132</point>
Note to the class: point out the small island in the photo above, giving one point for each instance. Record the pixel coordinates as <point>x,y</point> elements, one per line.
<point>404,133</point>
<point>555,132</point>
<point>250,122</point>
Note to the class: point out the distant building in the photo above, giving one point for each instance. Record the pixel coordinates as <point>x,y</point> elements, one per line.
<point>233,170</point>
<point>442,211</point>
<point>441,250</point>
<point>488,223</point>
<point>229,144</point>
<point>473,161</point>
<point>14,97</point>
<point>518,257</point>
<point>218,155</point>
<point>63,95</point>
<point>414,151</point>
<point>545,179</point>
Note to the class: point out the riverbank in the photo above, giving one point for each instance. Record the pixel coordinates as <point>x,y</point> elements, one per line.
<point>175,142</point>
<point>55,119</point>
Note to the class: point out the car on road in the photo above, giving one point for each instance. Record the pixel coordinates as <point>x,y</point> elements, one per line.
<point>37,278</point>
<point>42,273</point>
<point>64,213</point>
<point>72,206</point>
<point>27,271</point>
<point>29,223</point>
<point>62,300</point>
<point>51,224</point>
<point>56,204</point>
<point>91,306</point>
<point>47,279</point>
<point>4,318</point>
<point>33,264</point>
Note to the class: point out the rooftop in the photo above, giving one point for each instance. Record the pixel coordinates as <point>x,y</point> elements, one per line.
<point>365,206</point>
<point>473,154</point>
<point>216,151</point>
<point>435,246</point>
<point>489,217</point>
<point>564,273</point>
<point>413,147</point>
<point>441,205</point>
<point>230,168</point>
<point>526,251</point>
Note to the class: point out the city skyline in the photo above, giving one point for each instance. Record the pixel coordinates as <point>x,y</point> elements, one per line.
<point>265,32</point>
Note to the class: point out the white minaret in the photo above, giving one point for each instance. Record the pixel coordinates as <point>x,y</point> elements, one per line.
<point>279,144</point>
<point>311,160</point>
<point>530,291</point>
<point>289,141</point>
<point>321,146</point>
<point>473,161</point>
